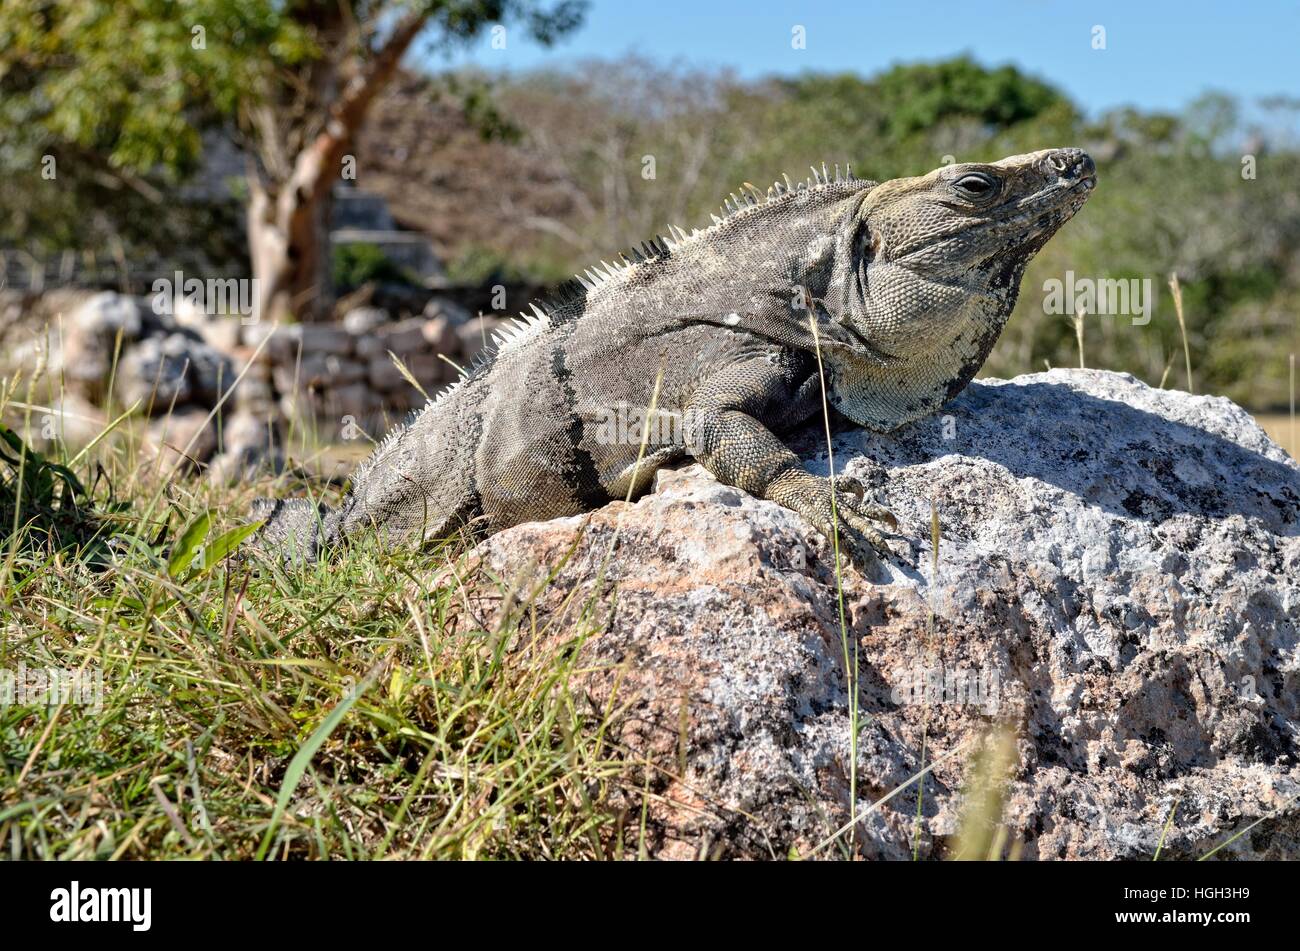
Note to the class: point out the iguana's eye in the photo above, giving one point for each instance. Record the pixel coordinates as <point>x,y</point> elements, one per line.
<point>975,185</point>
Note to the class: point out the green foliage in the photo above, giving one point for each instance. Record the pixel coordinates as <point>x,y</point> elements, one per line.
<point>119,93</point>
<point>480,266</point>
<point>357,264</point>
<point>910,99</point>
<point>907,118</point>
<point>372,724</point>
<point>477,102</point>
<point>45,511</point>
<point>36,493</point>
<point>133,81</point>
<point>112,97</point>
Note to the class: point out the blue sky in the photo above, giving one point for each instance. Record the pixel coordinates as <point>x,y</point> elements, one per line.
<point>1160,53</point>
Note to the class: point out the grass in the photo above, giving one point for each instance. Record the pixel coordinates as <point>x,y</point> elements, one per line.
<point>1176,288</point>
<point>247,715</point>
<point>323,712</point>
<point>850,664</point>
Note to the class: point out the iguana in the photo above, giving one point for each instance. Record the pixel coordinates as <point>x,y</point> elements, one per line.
<point>896,290</point>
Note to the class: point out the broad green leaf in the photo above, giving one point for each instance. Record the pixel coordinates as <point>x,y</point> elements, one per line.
<point>191,540</point>
<point>225,543</point>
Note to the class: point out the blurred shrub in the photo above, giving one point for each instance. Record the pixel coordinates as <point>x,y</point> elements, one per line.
<point>356,264</point>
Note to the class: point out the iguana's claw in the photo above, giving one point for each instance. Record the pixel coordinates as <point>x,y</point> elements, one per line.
<point>859,504</point>
<point>863,541</point>
<point>851,485</point>
<point>842,512</point>
<point>867,509</point>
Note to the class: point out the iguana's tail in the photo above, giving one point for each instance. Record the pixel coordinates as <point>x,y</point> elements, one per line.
<point>297,529</point>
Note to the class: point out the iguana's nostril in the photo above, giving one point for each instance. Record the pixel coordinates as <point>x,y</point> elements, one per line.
<point>1074,163</point>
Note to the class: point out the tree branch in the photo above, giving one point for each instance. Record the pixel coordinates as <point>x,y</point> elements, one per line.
<point>352,104</point>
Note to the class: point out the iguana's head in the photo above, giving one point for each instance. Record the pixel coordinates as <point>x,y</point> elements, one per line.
<point>925,254</point>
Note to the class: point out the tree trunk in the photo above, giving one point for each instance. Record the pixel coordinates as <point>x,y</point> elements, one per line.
<point>289,200</point>
<point>288,221</point>
<point>288,242</point>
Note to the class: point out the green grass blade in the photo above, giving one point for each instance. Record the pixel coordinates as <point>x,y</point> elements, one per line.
<point>298,765</point>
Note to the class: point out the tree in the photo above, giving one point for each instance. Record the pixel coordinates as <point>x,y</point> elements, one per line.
<point>137,82</point>
<point>904,120</point>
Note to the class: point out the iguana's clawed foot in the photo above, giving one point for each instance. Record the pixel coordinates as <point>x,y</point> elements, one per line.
<point>811,497</point>
<point>858,503</point>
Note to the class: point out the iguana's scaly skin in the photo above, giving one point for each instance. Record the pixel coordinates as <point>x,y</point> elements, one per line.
<point>909,283</point>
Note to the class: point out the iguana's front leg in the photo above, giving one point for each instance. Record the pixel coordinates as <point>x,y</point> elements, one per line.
<point>729,438</point>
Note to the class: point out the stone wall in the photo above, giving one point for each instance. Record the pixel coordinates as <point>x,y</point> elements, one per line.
<point>175,368</point>
<point>343,374</point>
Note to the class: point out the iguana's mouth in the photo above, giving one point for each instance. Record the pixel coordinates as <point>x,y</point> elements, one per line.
<point>1063,199</point>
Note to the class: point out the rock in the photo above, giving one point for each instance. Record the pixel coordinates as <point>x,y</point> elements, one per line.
<point>1118,583</point>
<point>185,311</point>
<point>446,309</point>
<point>220,333</point>
<point>243,359</point>
<point>383,375</point>
<point>402,337</point>
<point>185,438</point>
<point>439,335</point>
<point>298,405</point>
<point>427,369</point>
<point>313,339</point>
<point>15,305</point>
<point>63,302</point>
<point>474,335</point>
<point>252,335</point>
<point>402,401</point>
<point>73,419</point>
<point>250,447</point>
<point>317,370</point>
<point>90,340</point>
<point>351,403</point>
<point>255,394</point>
<point>364,320</point>
<point>173,370</point>
<point>104,314</point>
